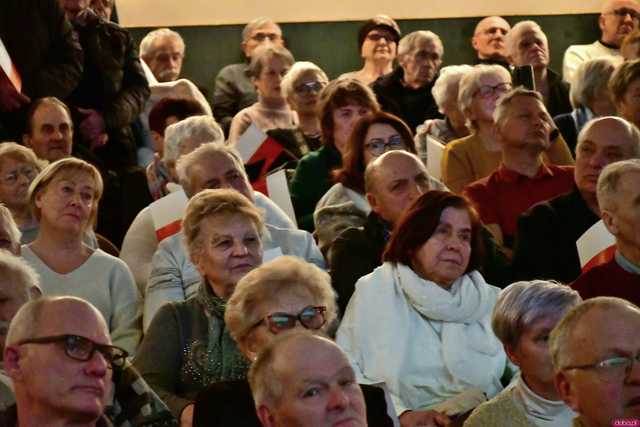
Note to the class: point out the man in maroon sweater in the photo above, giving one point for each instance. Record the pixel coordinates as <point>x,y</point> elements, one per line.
<point>619,200</point>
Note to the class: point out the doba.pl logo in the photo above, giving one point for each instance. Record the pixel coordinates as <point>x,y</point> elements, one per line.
<point>626,422</point>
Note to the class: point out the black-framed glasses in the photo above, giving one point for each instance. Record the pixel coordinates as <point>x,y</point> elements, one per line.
<point>309,87</point>
<point>82,349</point>
<point>374,37</point>
<point>616,368</point>
<point>622,13</point>
<point>486,91</point>
<point>378,146</point>
<point>311,317</point>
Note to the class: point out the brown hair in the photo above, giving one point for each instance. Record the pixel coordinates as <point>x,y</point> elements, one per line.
<point>622,78</point>
<point>340,93</point>
<point>352,172</point>
<point>419,222</point>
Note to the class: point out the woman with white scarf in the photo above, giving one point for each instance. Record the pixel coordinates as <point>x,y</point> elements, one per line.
<point>421,322</point>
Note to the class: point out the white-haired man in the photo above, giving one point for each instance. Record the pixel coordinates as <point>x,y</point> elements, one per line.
<point>163,51</point>
<point>619,199</point>
<point>617,19</point>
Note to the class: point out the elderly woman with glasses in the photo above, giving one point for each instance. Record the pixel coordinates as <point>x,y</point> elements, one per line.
<point>523,318</point>
<point>284,294</point>
<point>345,204</point>
<point>478,155</point>
<point>420,323</point>
<point>187,346</point>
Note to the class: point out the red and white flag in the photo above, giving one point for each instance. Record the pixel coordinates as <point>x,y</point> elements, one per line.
<point>167,213</point>
<point>596,246</point>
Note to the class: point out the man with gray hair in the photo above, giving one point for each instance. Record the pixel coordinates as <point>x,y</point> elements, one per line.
<point>173,276</point>
<point>163,51</point>
<point>296,366</point>
<point>523,130</point>
<point>595,350</point>
<point>547,233</point>
<point>527,44</point>
<point>488,40</point>
<point>617,19</point>
<point>406,91</point>
<point>234,89</point>
<point>618,198</point>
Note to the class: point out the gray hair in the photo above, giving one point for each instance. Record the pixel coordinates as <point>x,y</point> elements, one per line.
<point>18,274</point>
<point>609,180</point>
<point>205,151</point>
<point>560,338</point>
<point>504,102</point>
<point>198,129</point>
<point>255,24</point>
<point>12,229</point>
<point>513,36</point>
<point>410,42</point>
<point>298,70</point>
<point>470,83</point>
<point>633,134</point>
<point>448,79</point>
<point>263,54</point>
<point>147,50</point>
<point>523,303</point>
<point>591,79</point>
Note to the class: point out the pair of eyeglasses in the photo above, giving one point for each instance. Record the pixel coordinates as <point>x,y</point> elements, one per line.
<point>311,317</point>
<point>374,37</point>
<point>260,37</point>
<point>309,87</point>
<point>488,90</point>
<point>622,13</point>
<point>615,368</point>
<point>82,349</point>
<point>28,172</point>
<point>378,146</point>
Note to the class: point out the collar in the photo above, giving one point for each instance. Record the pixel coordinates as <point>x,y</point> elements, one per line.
<point>507,175</point>
<point>625,264</point>
<point>608,45</point>
<point>539,408</point>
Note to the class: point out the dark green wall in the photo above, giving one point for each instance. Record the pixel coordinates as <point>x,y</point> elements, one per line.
<point>333,45</point>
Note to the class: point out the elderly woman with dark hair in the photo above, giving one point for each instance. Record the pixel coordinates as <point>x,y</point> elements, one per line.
<point>281,295</point>
<point>345,204</point>
<point>342,103</point>
<point>523,318</point>
<point>589,97</point>
<point>428,303</point>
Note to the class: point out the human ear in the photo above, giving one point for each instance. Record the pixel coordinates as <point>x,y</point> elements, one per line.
<point>265,416</point>
<point>563,385</point>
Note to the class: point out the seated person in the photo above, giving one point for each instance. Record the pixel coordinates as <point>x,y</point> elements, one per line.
<point>18,166</point>
<point>281,295</point>
<point>378,42</point>
<point>618,191</point>
<point>623,87</point>
<point>547,233</point>
<point>593,349</point>
<point>523,129</point>
<point>590,97</point>
<point>392,182</point>
<point>630,47</point>
<point>187,346</point>
<point>163,51</point>
<point>299,361</point>
<point>618,18</point>
<point>166,112</point>
<point>173,277</point>
<point>64,199</point>
<point>342,103</point>
<point>406,91</point>
<point>453,126</point>
<point>268,66</point>
<point>234,89</point>
<point>478,155</point>
<point>527,45</point>
<point>488,41</point>
<point>9,232</point>
<point>523,318</point>
<point>49,131</point>
<point>428,303</point>
<point>345,204</point>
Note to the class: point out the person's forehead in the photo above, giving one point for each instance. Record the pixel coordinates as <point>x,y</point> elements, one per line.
<point>493,22</point>
<point>268,28</point>
<point>168,43</point>
<point>215,166</point>
<point>608,133</point>
<point>50,113</point>
<point>77,177</point>
<point>601,331</point>
<point>613,5</point>
<point>525,103</point>
<point>398,167</point>
<point>530,34</point>
<point>12,161</point>
<point>303,360</point>
<point>72,318</point>
<point>425,45</point>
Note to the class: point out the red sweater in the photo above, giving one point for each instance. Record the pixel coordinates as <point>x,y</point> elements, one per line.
<point>609,280</point>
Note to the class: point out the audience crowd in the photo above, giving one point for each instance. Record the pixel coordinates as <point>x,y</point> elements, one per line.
<point>405,245</point>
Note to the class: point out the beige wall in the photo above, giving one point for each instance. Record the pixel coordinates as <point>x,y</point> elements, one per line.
<point>152,13</point>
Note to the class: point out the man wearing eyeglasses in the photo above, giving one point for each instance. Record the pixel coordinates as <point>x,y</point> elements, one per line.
<point>234,89</point>
<point>595,349</point>
<point>617,19</point>
<point>59,356</point>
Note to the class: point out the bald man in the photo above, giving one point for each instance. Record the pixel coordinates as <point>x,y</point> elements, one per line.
<point>488,40</point>
<point>617,19</point>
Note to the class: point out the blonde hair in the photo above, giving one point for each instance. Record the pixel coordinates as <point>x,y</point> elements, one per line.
<point>21,153</point>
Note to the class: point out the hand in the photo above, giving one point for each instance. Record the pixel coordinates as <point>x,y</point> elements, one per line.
<point>424,419</point>
<point>186,416</point>
<point>11,99</point>
<point>92,128</point>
